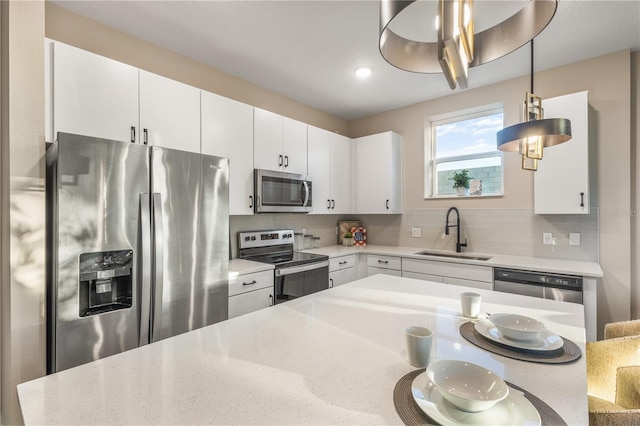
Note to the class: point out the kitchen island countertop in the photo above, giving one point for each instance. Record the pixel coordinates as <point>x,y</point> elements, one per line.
<point>332,357</point>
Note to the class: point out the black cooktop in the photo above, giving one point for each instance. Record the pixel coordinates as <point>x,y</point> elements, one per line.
<point>287,259</point>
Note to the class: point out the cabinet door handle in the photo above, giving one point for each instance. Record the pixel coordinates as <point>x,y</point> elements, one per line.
<point>387,204</point>
<point>383,261</point>
<point>250,201</point>
<point>280,160</point>
<point>133,134</point>
<point>328,203</point>
<point>271,300</point>
<point>333,204</point>
<point>330,282</point>
<point>251,283</point>
<point>145,134</point>
<point>582,199</point>
<point>286,161</point>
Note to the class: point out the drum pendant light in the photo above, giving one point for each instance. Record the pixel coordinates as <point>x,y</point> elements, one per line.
<point>458,48</point>
<point>535,132</point>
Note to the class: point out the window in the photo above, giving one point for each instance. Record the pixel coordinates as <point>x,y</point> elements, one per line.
<point>464,141</point>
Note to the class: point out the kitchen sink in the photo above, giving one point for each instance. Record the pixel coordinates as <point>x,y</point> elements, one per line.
<point>454,255</point>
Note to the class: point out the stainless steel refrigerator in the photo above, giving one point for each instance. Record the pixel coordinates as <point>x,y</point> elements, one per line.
<point>138,241</point>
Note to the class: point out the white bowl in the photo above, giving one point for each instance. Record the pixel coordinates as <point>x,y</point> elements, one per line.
<point>467,386</point>
<point>517,327</point>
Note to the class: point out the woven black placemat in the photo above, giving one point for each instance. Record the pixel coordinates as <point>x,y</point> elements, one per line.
<point>569,352</point>
<point>411,414</point>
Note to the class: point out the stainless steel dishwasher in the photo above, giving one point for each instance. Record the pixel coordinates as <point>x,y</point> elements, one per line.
<point>567,288</point>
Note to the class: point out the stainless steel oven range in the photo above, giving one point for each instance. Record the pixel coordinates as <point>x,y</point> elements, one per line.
<point>296,274</point>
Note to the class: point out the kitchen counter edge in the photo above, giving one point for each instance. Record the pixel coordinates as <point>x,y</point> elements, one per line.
<point>543,264</point>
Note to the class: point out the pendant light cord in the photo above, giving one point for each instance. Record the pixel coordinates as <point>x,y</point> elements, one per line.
<point>532,66</point>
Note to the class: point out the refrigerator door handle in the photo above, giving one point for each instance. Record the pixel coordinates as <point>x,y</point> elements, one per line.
<point>144,289</point>
<point>158,259</point>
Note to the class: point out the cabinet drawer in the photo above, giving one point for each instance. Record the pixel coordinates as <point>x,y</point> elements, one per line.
<point>468,283</point>
<point>372,270</point>
<point>447,269</point>
<point>250,282</point>
<point>423,277</point>
<point>251,301</point>
<point>342,262</point>
<point>384,262</point>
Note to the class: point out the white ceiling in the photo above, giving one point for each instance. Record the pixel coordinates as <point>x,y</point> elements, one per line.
<point>307,50</point>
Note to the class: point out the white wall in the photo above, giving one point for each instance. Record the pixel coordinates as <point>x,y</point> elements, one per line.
<point>22,285</point>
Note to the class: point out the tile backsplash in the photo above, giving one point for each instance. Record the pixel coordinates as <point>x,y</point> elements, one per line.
<point>497,231</point>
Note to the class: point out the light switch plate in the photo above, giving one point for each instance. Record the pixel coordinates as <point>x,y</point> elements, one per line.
<point>574,238</point>
<point>416,232</point>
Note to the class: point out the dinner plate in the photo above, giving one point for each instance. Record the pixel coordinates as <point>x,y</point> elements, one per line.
<point>544,341</point>
<point>515,409</point>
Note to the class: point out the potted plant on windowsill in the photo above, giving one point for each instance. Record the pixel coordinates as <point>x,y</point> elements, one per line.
<point>347,239</point>
<point>461,182</point>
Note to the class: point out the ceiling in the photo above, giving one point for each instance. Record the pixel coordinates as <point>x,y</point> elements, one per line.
<point>307,50</point>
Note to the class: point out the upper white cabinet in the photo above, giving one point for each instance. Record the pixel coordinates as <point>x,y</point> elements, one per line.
<point>330,171</point>
<point>169,113</point>
<point>562,179</point>
<point>379,173</point>
<point>95,96</point>
<point>91,95</point>
<point>227,131</point>
<point>280,143</point>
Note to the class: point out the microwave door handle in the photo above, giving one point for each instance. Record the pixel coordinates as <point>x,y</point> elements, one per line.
<point>305,202</point>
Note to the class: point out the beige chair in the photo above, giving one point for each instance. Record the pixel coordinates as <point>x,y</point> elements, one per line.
<point>613,376</point>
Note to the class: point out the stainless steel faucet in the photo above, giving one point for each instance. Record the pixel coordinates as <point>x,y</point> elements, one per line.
<point>459,245</point>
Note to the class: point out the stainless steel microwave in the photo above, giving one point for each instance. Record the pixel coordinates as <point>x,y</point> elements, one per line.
<point>280,192</point>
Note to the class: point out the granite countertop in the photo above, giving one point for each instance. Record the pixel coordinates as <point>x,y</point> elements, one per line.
<point>332,357</point>
<point>569,267</point>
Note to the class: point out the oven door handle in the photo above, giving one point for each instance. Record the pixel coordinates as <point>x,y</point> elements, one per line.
<point>302,268</point>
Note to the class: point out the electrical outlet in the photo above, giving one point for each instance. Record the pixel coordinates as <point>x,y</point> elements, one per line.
<point>416,232</point>
<point>547,238</point>
<point>574,238</point>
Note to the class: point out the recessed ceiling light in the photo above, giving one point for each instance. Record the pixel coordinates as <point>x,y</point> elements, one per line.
<point>362,72</point>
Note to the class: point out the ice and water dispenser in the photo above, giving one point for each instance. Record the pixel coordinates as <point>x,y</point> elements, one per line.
<point>106,282</point>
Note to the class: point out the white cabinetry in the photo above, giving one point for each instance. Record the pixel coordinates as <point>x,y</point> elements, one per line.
<point>169,113</point>
<point>227,131</point>
<point>90,95</point>
<point>449,273</point>
<point>250,292</point>
<point>389,265</point>
<point>342,270</point>
<point>562,179</point>
<point>95,96</point>
<point>280,143</point>
<point>379,174</point>
<point>330,171</point>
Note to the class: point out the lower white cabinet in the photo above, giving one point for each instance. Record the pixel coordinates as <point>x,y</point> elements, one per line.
<point>389,265</point>
<point>342,270</point>
<point>449,273</point>
<point>250,292</point>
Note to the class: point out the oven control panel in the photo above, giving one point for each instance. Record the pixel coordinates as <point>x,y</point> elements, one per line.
<point>252,239</point>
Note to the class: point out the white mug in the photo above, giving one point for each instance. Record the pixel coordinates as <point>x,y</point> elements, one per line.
<point>418,345</point>
<point>470,304</point>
